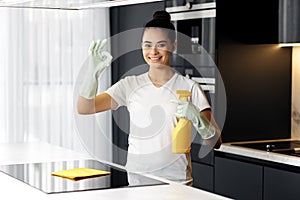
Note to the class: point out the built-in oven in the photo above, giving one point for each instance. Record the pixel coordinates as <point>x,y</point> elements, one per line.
<point>195,22</point>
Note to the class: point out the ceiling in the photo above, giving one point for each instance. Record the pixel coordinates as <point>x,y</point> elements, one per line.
<point>69,4</point>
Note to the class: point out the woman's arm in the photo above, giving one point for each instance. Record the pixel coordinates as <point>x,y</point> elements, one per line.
<point>98,61</point>
<point>100,103</point>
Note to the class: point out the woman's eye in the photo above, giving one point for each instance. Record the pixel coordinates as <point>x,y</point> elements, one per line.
<point>147,46</point>
<point>161,46</point>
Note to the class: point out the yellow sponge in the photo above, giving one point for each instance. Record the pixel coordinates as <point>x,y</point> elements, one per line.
<point>80,173</point>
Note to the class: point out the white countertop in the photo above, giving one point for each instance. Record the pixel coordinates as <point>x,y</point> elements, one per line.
<point>12,188</point>
<point>260,154</point>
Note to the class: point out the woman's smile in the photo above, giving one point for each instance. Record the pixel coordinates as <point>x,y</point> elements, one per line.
<point>155,59</point>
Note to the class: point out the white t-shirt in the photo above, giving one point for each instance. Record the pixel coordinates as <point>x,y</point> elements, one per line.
<point>152,122</point>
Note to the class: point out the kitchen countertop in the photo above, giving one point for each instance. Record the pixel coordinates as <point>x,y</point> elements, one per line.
<point>260,154</point>
<point>18,153</point>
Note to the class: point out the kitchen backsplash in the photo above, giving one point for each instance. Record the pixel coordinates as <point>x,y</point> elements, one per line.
<point>295,126</point>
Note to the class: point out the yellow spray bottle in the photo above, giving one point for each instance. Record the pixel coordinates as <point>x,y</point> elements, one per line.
<point>182,133</point>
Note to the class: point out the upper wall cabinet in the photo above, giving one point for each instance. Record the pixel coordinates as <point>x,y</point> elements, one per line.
<point>248,22</point>
<point>289,21</point>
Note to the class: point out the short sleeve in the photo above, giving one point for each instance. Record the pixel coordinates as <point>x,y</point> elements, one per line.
<point>118,92</point>
<point>199,98</point>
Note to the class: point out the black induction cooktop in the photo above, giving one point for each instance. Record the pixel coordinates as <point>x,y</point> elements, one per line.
<point>38,175</point>
<point>290,147</point>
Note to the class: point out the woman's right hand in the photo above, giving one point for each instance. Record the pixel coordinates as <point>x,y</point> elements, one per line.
<point>99,55</point>
<point>98,61</point>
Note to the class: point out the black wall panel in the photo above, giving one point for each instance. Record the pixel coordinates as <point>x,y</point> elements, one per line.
<point>255,70</point>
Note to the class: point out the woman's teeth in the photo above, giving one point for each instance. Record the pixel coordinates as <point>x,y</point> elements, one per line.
<point>154,58</point>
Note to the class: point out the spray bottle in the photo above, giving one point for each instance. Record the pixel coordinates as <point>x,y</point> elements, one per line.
<point>182,133</point>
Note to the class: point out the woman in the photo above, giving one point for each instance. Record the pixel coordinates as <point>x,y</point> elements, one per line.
<point>148,98</point>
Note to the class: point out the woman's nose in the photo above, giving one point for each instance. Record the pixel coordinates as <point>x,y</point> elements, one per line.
<point>153,49</point>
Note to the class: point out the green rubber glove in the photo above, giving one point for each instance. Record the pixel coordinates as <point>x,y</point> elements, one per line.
<point>98,61</point>
<point>200,122</point>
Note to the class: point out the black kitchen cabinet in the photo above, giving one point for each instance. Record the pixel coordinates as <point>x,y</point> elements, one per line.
<point>202,165</point>
<point>256,72</point>
<point>200,152</point>
<point>281,184</point>
<point>250,22</point>
<point>203,176</point>
<point>237,179</point>
<point>242,177</point>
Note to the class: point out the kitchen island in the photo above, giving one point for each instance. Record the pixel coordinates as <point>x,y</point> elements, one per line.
<point>20,153</point>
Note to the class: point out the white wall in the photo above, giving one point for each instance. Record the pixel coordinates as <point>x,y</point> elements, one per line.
<point>295,126</point>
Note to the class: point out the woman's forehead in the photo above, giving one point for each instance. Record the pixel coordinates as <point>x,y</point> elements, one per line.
<point>155,34</point>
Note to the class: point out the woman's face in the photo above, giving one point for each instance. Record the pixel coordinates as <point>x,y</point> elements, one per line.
<point>157,47</point>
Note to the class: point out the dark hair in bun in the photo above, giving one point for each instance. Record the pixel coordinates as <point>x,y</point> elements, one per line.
<point>162,19</point>
<point>162,15</point>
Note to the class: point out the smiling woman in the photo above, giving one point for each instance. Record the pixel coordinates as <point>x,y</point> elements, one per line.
<point>148,98</point>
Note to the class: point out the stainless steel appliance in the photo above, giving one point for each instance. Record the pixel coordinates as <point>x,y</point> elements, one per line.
<point>195,22</point>
<point>38,175</point>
